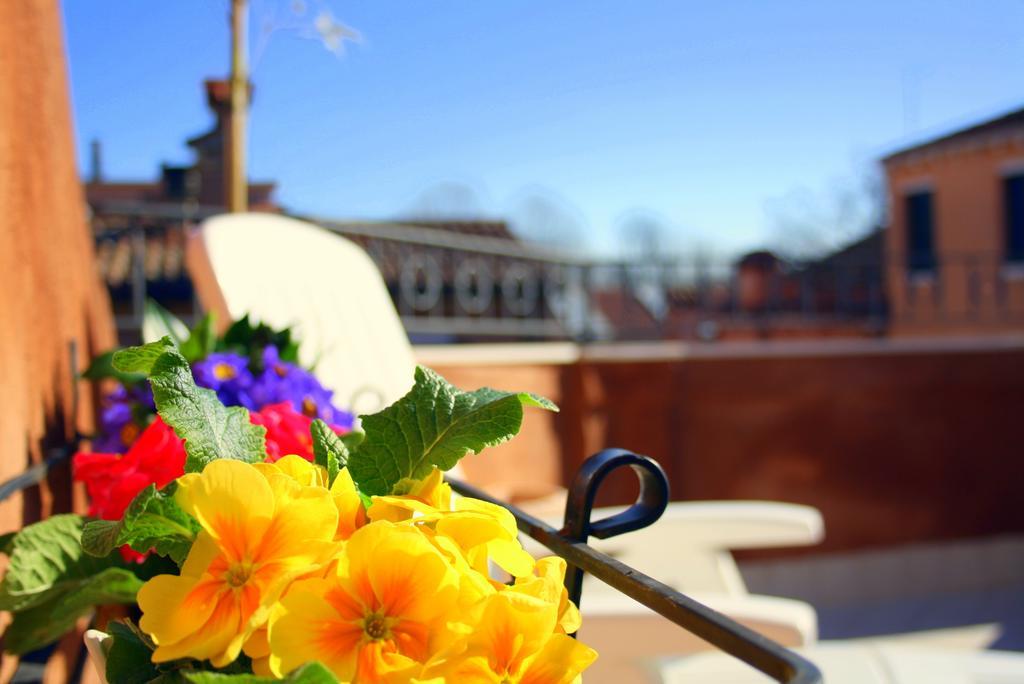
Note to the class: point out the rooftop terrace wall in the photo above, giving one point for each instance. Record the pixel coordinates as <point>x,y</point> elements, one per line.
<point>893,440</point>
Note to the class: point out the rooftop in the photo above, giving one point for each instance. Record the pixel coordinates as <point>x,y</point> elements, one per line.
<point>1011,123</point>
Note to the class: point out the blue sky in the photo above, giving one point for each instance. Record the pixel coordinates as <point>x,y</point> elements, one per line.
<point>713,117</point>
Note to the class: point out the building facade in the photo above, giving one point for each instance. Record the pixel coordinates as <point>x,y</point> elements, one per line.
<point>955,244</point>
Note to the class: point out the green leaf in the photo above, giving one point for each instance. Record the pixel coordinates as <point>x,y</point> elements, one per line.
<point>7,542</point>
<point>50,582</point>
<point>46,622</point>
<point>310,673</point>
<point>201,340</point>
<point>249,339</point>
<point>103,367</point>
<point>210,430</point>
<point>152,521</point>
<point>352,439</point>
<point>328,449</point>
<point>158,322</point>
<point>238,334</point>
<point>129,658</point>
<point>47,558</point>
<point>141,359</point>
<point>435,424</point>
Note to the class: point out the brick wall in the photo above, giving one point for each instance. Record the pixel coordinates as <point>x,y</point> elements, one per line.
<point>971,291</point>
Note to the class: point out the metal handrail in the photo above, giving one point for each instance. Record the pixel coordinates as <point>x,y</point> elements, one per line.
<point>758,651</point>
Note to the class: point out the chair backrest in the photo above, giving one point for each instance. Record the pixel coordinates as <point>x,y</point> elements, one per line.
<point>286,272</point>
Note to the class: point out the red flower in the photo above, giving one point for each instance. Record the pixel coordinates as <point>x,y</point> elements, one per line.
<point>112,480</point>
<point>287,431</point>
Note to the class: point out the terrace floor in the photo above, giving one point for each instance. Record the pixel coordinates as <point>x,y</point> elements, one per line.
<point>934,587</point>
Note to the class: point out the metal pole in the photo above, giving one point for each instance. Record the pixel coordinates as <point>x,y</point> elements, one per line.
<point>236,185</point>
<point>138,278</point>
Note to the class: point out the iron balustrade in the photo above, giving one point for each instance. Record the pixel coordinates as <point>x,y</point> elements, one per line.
<point>451,286</point>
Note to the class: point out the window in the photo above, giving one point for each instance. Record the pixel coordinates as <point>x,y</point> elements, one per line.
<point>920,232</point>
<point>1013,198</point>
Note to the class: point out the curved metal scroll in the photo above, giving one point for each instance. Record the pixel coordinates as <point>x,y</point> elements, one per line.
<point>650,503</point>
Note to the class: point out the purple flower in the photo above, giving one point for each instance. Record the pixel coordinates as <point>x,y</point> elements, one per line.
<point>227,374</point>
<point>283,381</point>
<point>118,426</point>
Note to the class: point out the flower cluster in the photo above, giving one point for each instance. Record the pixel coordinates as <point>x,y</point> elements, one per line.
<point>157,456</point>
<point>290,568</point>
<point>300,553</point>
<point>272,381</point>
<point>136,449</point>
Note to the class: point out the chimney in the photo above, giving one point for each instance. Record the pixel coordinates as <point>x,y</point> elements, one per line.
<point>95,161</point>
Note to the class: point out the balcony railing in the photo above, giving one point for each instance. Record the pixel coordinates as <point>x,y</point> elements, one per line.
<point>451,286</point>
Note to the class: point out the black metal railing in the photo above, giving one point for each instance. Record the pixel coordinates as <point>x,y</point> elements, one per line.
<point>570,543</point>
<point>451,286</point>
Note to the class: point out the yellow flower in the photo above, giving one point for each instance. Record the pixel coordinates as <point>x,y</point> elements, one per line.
<point>482,530</point>
<point>297,468</point>
<point>427,496</point>
<point>380,616</point>
<point>485,532</point>
<point>351,514</point>
<point>548,584</point>
<point>260,529</point>
<point>515,643</point>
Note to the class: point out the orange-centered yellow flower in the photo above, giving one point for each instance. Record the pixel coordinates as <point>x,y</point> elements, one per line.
<point>382,614</point>
<point>261,528</point>
<point>515,642</point>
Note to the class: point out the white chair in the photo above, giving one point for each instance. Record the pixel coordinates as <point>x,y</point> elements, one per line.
<point>286,272</point>
<point>689,549</point>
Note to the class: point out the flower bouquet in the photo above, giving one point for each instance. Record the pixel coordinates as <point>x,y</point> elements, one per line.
<point>251,365</point>
<point>354,564</point>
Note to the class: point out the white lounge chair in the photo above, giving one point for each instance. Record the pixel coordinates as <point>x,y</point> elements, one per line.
<point>286,272</point>
<point>689,549</point>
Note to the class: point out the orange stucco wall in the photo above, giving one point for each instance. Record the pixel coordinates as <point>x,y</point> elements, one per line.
<point>50,293</point>
<point>971,291</point>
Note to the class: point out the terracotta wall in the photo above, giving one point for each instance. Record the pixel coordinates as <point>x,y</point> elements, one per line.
<point>50,293</point>
<point>972,293</point>
<point>893,445</point>
<point>49,290</point>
